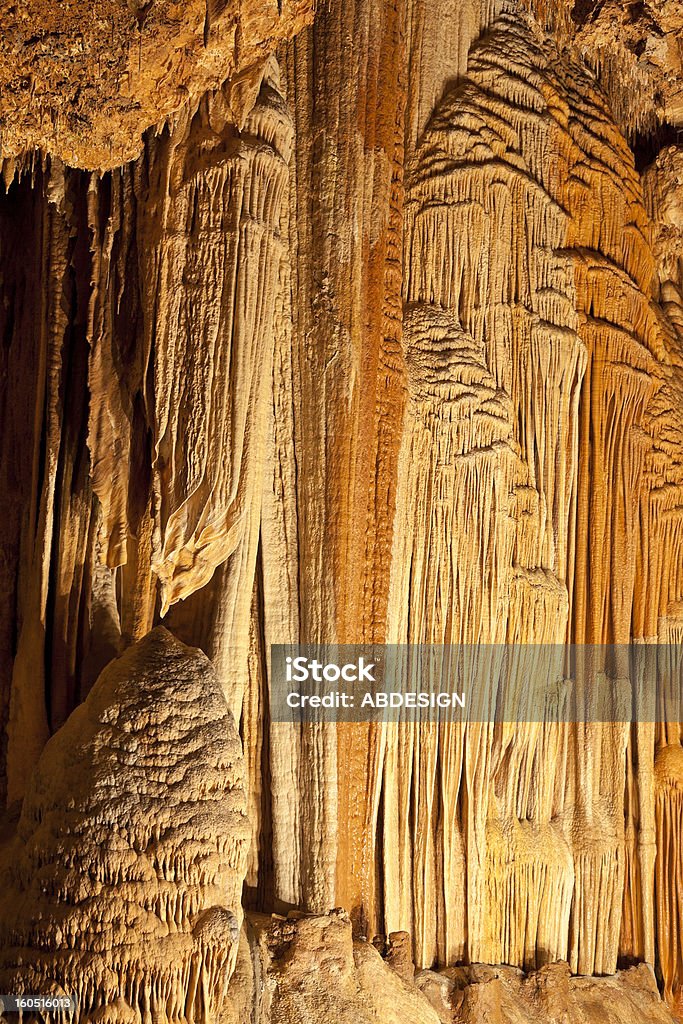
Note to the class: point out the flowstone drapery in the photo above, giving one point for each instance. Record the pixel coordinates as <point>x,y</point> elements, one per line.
<point>371,332</point>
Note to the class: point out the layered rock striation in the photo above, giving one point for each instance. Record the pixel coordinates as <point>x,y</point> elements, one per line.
<point>375,335</point>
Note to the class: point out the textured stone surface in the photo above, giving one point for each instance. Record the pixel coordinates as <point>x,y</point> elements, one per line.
<point>500,994</point>
<point>378,339</point>
<point>635,49</point>
<point>124,879</point>
<point>163,278</point>
<point>83,81</point>
<point>308,969</point>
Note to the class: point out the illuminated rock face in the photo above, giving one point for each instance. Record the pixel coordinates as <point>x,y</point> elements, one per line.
<point>527,318</point>
<point>308,969</point>
<point>378,337</point>
<point>124,880</point>
<point>157,475</point>
<point>85,80</point>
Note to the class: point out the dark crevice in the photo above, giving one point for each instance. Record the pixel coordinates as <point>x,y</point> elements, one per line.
<point>647,145</point>
<point>586,10</point>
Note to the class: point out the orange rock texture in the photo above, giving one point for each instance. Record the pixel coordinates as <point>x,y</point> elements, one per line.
<point>83,81</point>
<point>354,325</point>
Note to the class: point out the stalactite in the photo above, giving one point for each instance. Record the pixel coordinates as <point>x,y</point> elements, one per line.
<point>45,465</point>
<point>669,870</point>
<point>207,202</point>
<point>213,231</point>
<point>663,521</point>
<point>85,86</point>
<point>345,239</point>
<point>559,289</point>
<point>130,483</point>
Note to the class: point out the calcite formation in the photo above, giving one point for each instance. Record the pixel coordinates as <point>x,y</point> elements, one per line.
<point>635,48</point>
<point>481,993</point>
<point>84,81</point>
<point>207,227</point>
<point>308,968</point>
<point>122,886</point>
<point>360,325</point>
<point>511,265</point>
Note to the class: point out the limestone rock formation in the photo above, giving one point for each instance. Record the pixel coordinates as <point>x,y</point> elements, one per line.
<point>308,969</point>
<point>164,470</point>
<point>83,81</point>
<point>354,325</point>
<point>122,885</point>
<point>635,48</point>
<point>493,994</point>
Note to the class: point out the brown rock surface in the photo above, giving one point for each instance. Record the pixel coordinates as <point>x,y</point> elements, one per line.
<point>309,970</point>
<point>495,994</point>
<point>377,338</point>
<point>636,50</point>
<point>83,81</point>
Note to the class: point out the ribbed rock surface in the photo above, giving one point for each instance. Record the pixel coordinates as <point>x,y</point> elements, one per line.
<point>380,339</point>
<point>208,197</point>
<point>123,884</point>
<point>151,351</point>
<point>527,273</point>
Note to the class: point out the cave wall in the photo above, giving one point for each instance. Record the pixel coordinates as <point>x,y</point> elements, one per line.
<point>378,339</point>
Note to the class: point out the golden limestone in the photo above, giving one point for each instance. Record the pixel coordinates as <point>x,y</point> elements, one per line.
<point>371,333</point>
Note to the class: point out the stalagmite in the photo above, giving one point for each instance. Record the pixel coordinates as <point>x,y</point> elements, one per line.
<point>124,879</point>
